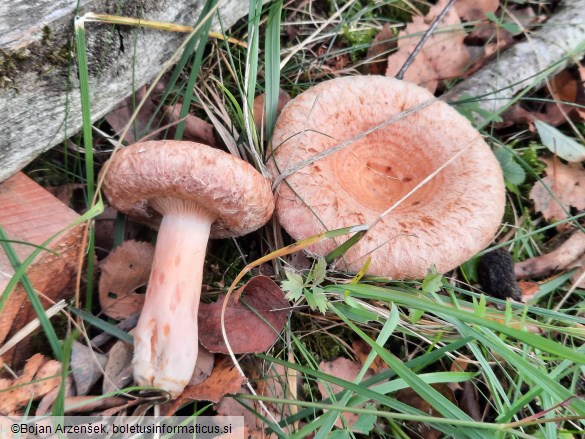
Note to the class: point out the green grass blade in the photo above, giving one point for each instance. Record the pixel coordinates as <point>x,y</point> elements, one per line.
<point>200,37</point>
<point>88,149</point>
<point>103,325</point>
<point>419,302</point>
<point>428,393</point>
<point>59,404</point>
<point>272,65</point>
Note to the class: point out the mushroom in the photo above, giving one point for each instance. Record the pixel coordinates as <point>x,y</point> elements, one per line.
<point>190,192</point>
<point>443,223</point>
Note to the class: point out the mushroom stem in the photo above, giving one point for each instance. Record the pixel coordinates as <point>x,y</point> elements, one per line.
<point>166,337</point>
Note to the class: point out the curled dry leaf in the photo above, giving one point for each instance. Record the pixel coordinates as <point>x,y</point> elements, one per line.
<point>224,379</point>
<point>443,56</point>
<point>347,370</point>
<point>125,270</point>
<point>86,367</point>
<point>38,378</point>
<point>567,182</point>
<point>246,331</point>
<point>118,370</point>
<point>559,259</point>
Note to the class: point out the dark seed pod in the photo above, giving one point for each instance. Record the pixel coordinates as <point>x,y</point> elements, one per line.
<point>495,273</point>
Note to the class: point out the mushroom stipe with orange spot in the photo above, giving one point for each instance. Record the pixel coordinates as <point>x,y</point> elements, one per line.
<point>190,192</point>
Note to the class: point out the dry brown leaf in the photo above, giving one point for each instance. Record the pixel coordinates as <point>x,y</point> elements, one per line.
<point>86,367</point>
<point>118,370</point>
<point>259,108</point>
<point>125,270</point>
<point>273,384</point>
<point>469,401</point>
<point>568,94</point>
<point>381,45</point>
<point>120,116</point>
<point>347,370</point>
<point>443,56</point>
<point>38,378</point>
<point>224,379</point>
<point>246,331</point>
<point>567,182</point>
<point>362,350</point>
<point>470,10</point>
<point>203,367</point>
<point>196,129</point>
<point>413,399</point>
<point>420,72</point>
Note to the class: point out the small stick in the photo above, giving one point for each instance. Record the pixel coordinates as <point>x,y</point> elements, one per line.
<point>558,259</point>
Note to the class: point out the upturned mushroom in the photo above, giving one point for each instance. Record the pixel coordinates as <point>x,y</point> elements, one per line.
<point>443,223</point>
<point>189,192</point>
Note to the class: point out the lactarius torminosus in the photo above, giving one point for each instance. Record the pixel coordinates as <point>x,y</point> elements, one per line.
<point>443,223</point>
<point>190,192</point>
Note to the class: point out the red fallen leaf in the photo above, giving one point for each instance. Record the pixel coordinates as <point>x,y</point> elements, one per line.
<point>246,331</point>
<point>224,379</point>
<point>125,270</point>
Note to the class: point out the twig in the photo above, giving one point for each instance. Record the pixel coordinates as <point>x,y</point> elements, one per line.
<point>556,260</point>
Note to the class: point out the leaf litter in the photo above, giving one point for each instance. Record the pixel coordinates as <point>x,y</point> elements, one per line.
<point>125,270</point>
<point>443,56</point>
<point>254,318</point>
<point>566,182</point>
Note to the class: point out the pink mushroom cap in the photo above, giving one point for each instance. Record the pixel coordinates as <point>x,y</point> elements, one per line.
<point>443,223</point>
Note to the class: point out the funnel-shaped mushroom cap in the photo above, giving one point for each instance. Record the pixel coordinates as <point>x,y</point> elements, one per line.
<point>444,223</point>
<point>235,194</point>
